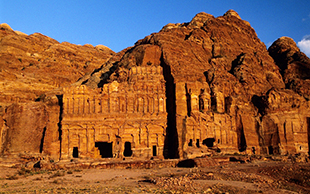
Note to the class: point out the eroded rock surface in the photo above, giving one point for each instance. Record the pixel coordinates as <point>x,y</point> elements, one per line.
<point>31,65</point>
<point>200,88</point>
<point>294,65</point>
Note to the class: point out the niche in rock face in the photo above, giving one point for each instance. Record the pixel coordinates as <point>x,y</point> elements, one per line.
<point>75,153</point>
<point>127,150</point>
<point>209,142</point>
<point>105,149</point>
<point>190,143</point>
<point>154,150</point>
<point>240,132</point>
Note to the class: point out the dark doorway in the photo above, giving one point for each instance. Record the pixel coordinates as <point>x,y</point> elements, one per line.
<point>75,153</point>
<point>188,101</point>
<point>42,140</point>
<point>127,150</point>
<point>105,149</point>
<point>240,133</point>
<point>270,150</point>
<point>190,143</point>
<point>197,143</point>
<point>154,150</point>
<point>208,142</point>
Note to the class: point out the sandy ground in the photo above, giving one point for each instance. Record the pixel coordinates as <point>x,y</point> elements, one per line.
<point>254,177</point>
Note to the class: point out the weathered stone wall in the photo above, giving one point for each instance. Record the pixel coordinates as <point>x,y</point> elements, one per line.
<point>209,119</point>
<point>285,126</point>
<point>190,90</point>
<point>23,128</point>
<point>127,118</point>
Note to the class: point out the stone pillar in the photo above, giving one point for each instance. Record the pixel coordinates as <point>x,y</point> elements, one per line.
<point>220,102</point>
<point>204,101</point>
<point>65,144</point>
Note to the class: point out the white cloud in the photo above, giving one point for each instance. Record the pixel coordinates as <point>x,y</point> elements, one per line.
<point>304,19</point>
<point>304,45</point>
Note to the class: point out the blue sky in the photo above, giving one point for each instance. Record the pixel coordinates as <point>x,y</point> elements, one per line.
<point>119,24</point>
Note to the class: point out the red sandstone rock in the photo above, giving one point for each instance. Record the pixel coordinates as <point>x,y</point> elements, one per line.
<point>189,90</point>
<point>295,65</point>
<point>24,126</point>
<point>33,65</point>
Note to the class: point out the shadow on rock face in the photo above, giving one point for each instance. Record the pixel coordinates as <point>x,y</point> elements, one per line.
<point>189,163</point>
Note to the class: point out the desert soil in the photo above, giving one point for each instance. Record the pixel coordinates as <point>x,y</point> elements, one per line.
<point>235,177</point>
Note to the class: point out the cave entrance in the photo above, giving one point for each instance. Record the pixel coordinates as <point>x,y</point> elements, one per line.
<point>190,143</point>
<point>127,149</point>
<point>197,143</point>
<point>105,149</point>
<point>75,153</point>
<point>209,142</point>
<point>154,150</point>
<point>270,150</point>
<point>240,134</point>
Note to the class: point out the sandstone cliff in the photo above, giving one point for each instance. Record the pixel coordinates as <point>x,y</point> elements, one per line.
<point>33,65</point>
<point>224,92</point>
<point>294,65</point>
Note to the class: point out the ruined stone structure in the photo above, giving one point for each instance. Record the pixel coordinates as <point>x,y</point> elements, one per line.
<point>207,123</point>
<point>120,119</point>
<point>129,119</point>
<point>286,126</point>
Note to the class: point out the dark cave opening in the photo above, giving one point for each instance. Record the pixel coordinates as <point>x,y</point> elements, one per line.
<point>105,148</point>
<point>60,103</point>
<point>190,143</point>
<point>75,153</point>
<point>197,143</point>
<point>240,134</point>
<point>188,101</point>
<point>42,140</point>
<point>209,142</point>
<point>127,149</point>
<point>154,148</point>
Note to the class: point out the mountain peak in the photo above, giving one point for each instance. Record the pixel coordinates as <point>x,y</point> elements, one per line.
<point>232,13</point>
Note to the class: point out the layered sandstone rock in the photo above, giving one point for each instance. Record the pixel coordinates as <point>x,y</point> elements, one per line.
<point>218,80</point>
<point>33,65</point>
<point>30,67</point>
<point>122,119</point>
<point>193,89</point>
<point>32,118</point>
<point>295,65</point>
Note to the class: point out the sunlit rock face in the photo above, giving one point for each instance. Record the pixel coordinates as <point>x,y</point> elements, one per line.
<point>32,65</point>
<point>294,65</point>
<point>192,89</point>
